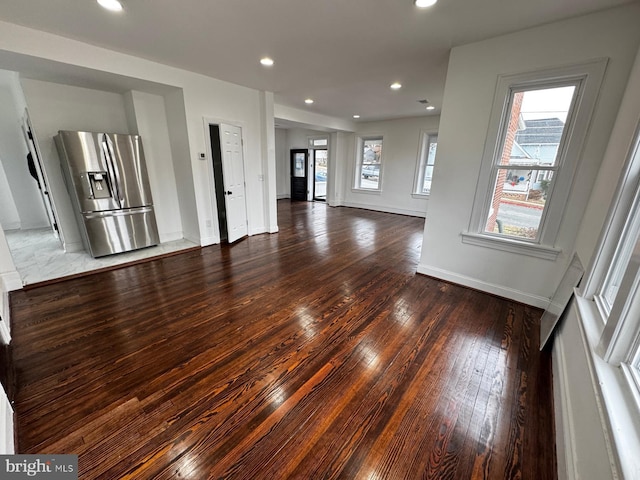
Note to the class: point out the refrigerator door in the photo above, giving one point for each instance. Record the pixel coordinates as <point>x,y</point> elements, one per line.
<point>120,230</point>
<point>126,158</point>
<point>87,171</point>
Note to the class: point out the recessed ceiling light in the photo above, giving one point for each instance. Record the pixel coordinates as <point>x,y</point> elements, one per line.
<point>395,86</point>
<point>266,61</point>
<point>113,5</point>
<point>356,116</point>
<point>425,3</point>
<point>431,107</point>
<point>308,101</point>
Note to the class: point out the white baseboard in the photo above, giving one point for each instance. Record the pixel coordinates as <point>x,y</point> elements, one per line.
<point>73,247</point>
<point>11,226</point>
<point>10,281</point>
<point>5,334</point>
<point>584,431</point>
<point>377,208</point>
<point>34,226</point>
<point>500,290</point>
<point>282,196</point>
<point>170,236</point>
<point>7,446</point>
<point>565,436</point>
<point>193,237</point>
<point>206,241</point>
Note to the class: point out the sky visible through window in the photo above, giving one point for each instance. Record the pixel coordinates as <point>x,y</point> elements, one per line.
<point>528,161</point>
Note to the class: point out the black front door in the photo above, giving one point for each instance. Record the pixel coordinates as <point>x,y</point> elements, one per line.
<point>299,161</point>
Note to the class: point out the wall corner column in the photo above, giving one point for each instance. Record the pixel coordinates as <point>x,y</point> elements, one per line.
<point>268,148</point>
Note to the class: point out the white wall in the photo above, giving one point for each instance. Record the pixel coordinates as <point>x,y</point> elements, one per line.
<point>148,119</point>
<point>268,156</point>
<point>209,98</point>
<point>295,138</point>
<point>338,180</point>
<point>582,451</point>
<point>6,422</point>
<point>54,107</point>
<point>9,280</point>
<point>469,90</point>
<point>13,155</point>
<point>181,154</point>
<point>312,119</point>
<point>9,216</point>
<point>202,97</point>
<point>283,168</point>
<point>401,140</point>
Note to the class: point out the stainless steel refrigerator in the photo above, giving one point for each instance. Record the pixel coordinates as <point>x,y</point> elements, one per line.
<point>107,180</point>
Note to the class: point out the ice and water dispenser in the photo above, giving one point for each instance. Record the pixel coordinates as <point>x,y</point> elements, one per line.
<point>98,185</point>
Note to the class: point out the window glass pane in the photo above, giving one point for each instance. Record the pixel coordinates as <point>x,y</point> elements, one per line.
<point>426,186</point>
<point>525,166</point>
<point>536,123</point>
<point>320,142</point>
<point>426,159</point>
<point>518,203</point>
<point>371,159</point>
<point>621,261</point>
<point>299,165</point>
<point>433,146</point>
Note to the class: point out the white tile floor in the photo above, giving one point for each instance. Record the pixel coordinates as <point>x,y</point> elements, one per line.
<point>38,255</point>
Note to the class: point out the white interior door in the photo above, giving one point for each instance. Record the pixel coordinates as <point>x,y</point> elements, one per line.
<point>43,181</point>
<point>234,188</point>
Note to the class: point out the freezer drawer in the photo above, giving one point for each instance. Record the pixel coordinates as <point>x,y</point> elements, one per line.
<point>120,231</point>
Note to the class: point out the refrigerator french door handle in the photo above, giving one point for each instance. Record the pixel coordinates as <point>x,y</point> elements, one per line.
<point>113,173</point>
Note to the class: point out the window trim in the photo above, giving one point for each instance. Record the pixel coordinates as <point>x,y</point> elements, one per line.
<point>422,162</point>
<point>560,159</point>
<point>357,178</point>
<point>589,76</point>
<point>613,343</point>
<point>619,342</point>
<point>615,222</point>
<point>313,138</point>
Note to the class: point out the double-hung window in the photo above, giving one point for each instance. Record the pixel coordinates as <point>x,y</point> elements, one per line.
<point>537,128</point>
<point>426,162</point>
<point>609,306</point>
<point>369,163</point>
<point>615,282</point>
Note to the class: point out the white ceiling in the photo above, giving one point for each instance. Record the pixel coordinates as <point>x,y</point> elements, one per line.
<point>342,53</point>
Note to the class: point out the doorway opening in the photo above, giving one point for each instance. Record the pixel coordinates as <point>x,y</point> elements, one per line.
<point>320,157</point>
<point>299,161</point>
<point>36,170</point>
<point>228,174</point>
<point>216,158</point>
<point>319,153</point>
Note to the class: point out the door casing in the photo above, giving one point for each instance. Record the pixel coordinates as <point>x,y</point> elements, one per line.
<point>228,179</point>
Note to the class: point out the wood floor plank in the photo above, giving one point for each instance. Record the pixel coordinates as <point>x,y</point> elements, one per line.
<point>316,352</point>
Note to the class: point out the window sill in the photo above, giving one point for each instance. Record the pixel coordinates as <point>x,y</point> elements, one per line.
<point>366,190</point>
<point>421,196</point>
<point>511,245</point>
<point>616,396</point>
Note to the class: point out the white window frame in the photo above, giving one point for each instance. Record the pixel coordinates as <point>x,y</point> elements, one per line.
<point>357,185</point>
<point>613,334</point>
<point>426,139</point>
<point>619,250</point>
<point>312,142</point>
<point>588,77</point>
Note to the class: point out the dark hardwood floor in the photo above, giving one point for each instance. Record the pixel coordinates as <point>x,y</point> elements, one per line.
<point>316,352</point>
